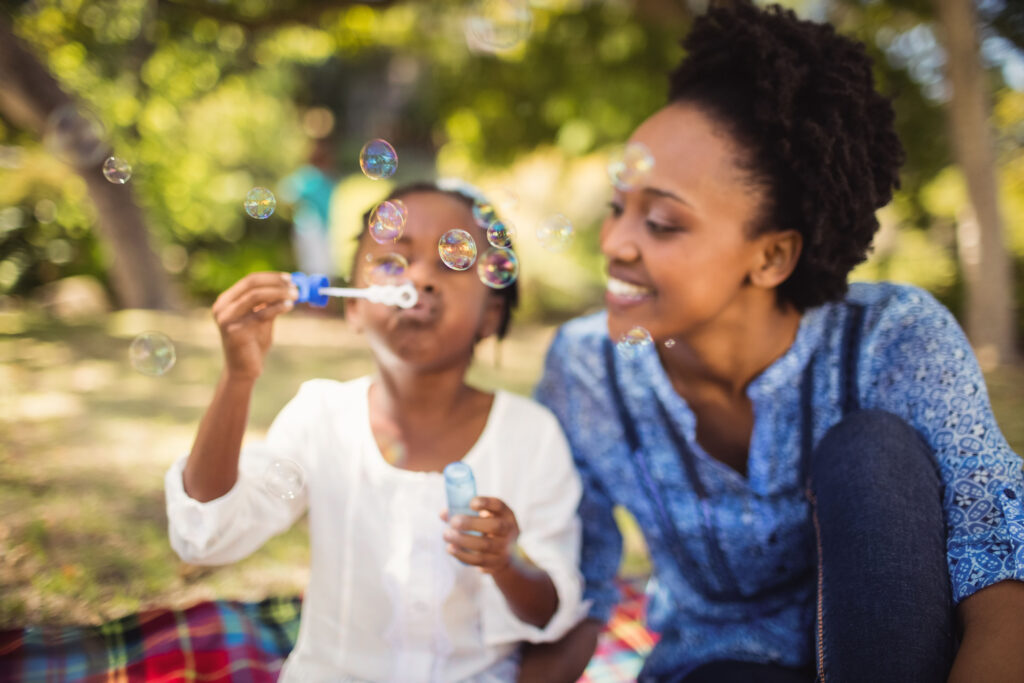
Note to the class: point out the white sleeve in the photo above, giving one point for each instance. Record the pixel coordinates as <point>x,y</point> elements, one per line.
<point>229,528</point>
<point>550,536</point>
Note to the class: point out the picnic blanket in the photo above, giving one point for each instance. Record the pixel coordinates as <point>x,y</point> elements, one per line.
<point>243,642</point>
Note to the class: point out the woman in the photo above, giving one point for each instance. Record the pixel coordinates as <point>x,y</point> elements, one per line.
<point>815,467</point>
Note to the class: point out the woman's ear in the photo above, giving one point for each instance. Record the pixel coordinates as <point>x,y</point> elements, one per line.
<point>777,257</point>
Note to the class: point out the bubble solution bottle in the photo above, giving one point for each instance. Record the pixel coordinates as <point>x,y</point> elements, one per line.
<point>460,486</point>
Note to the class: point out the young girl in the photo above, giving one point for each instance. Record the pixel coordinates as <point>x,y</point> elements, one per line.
<point>395,593</point>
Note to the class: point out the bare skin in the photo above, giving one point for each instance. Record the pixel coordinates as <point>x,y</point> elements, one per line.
<point>419,400</point>
<point>693,274</point>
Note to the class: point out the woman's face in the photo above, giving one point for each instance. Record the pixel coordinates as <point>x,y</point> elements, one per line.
<point>677,243</point>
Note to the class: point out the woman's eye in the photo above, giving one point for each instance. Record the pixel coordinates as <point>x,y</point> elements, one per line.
<point>615,209</point>
<point>661,228</point>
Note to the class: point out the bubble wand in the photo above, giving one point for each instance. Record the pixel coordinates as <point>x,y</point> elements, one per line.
<point>314,290</point>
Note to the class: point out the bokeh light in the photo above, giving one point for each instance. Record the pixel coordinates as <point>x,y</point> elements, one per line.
<point>76,136</point>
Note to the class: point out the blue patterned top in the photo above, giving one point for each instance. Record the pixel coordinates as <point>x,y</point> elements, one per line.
<point>912,359</point>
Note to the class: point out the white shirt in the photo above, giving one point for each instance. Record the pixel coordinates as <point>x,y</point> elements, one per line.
<point>386,602</point>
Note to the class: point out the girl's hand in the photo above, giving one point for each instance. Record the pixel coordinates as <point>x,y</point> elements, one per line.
<point>245,316</point>
<point>492,550</point>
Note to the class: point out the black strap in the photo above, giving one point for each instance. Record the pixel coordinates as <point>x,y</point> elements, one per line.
<point>851,353</point>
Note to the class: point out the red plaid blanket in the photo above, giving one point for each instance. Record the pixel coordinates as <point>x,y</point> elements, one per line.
<point>236,641</point>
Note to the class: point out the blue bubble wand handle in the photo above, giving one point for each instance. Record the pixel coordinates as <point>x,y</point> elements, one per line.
<point>314,290</point>
<point>460,486</point>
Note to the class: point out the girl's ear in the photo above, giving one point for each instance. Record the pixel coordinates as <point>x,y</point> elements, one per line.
<point>494,311</point>
<point>777,258</point>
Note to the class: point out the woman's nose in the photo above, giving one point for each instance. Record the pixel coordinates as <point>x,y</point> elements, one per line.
<point>618,241</point>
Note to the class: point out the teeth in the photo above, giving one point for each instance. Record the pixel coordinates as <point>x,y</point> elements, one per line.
<point>623,288</point>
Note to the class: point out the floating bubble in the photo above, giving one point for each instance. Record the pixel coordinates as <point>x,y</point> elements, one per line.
<point>388,269</point>
<point>378,159</point>
<point>500,234</point>
<point>669,343</point>
<point>457,249</point>
<point>498,25</point>
<point>555,233</point>
<point>498,268</point>
<point>484,214</point>
<point>284,478</point>
<point>152,353</point>
<point>387,220</point>
<point>76,136</point>
<point>117,171</point>
<point>633,342</point>
<point>628,169</point>
<point>260,202</point>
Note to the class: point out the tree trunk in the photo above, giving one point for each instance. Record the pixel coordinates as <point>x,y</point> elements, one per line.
<point>28,95</point>
<point>981,247</point>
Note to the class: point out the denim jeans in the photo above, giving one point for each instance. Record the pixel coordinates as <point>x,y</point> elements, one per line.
<point>884,604</point>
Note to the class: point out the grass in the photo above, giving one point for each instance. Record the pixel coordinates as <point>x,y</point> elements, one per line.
<point>85,442</point>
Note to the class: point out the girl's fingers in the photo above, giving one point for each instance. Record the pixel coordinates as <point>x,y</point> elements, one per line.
<point>269,312</point>
<point>247,303</point>
<point>491,526</point>
<point>466,542</point>
<point>495,506</point>
<point>253,280</point>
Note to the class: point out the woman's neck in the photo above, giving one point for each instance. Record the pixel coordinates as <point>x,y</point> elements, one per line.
<point>728,353</point>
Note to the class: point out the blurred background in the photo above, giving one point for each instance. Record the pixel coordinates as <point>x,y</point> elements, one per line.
<point>206,99</point>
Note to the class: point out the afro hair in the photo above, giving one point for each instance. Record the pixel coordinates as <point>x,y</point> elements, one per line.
<point>801,102</point>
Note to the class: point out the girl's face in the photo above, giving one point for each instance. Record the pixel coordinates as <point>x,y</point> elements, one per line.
<point>677,246</point>
<point>454,309</point>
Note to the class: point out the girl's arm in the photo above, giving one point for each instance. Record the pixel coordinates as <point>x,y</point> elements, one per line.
<point>245,316</point>
<point>529,591</point>
<point>992,648</point>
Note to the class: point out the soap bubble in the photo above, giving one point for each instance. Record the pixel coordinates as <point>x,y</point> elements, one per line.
<point>76,136</point>
<point>669,343</point>
<point>387,220</point>
<point>388,269</point>
<point>117,171</point>
<point>498,25</point>
<point>284,478</point>
<point>500,234</point>
<point>260,202</point>
<point>629,168</point>
<point>633,342</point>
<point>152,353</point>
<point>378,159</point>
<point>484,214</point>
<point>498,268</point>
<point>555,233</point>
<point>457,249</point>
